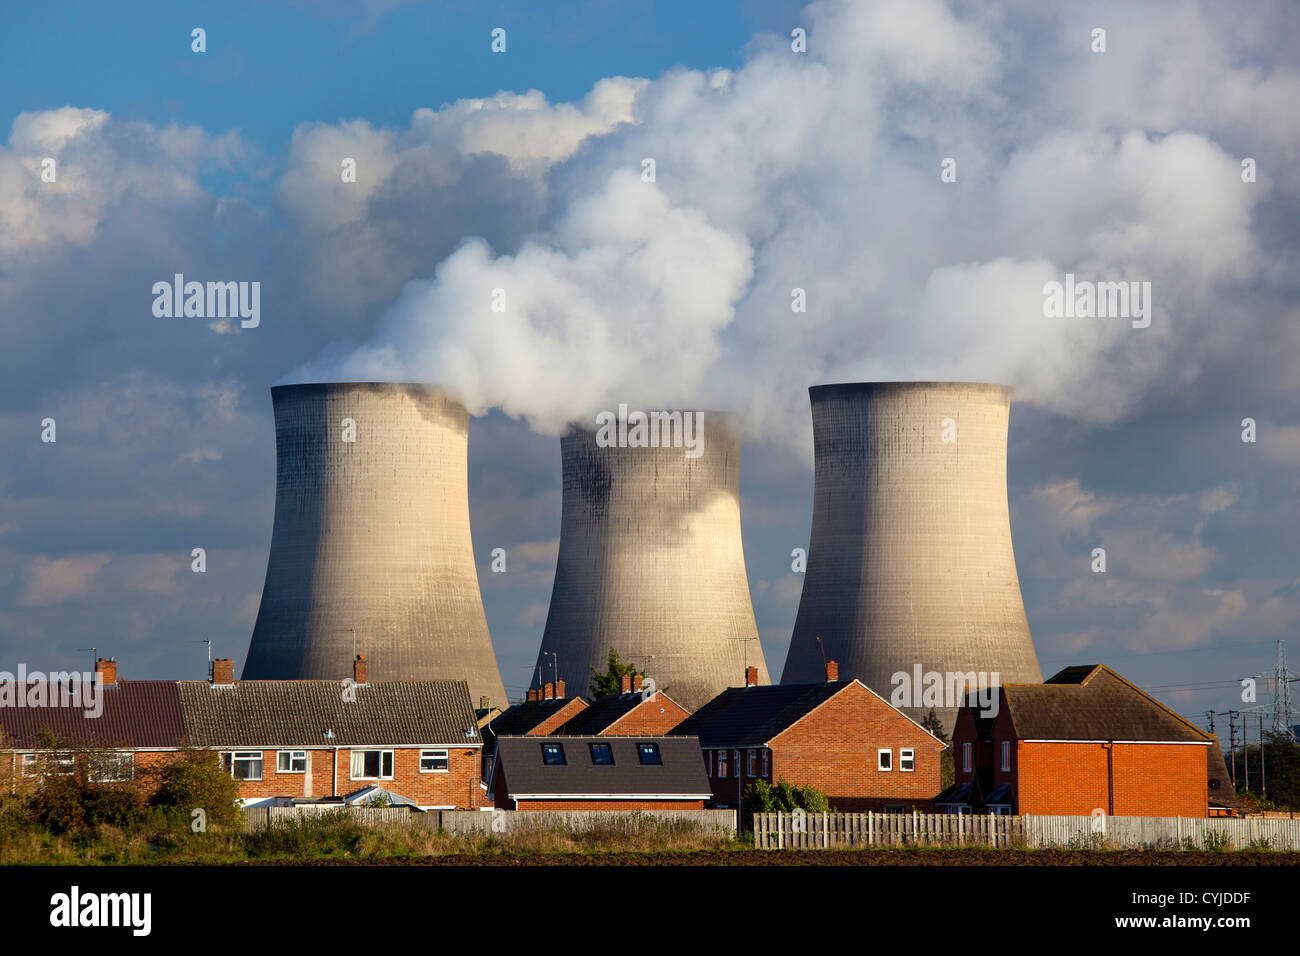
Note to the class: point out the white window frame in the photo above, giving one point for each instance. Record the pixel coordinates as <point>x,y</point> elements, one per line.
<point>765,767</point>
<point>884,755</point>
<point>31,765</point>
<point>443,755</point>
<point>392,764</point>
<point>120,757</point>
<point>965,756</point>
<point>1006,756</point>
<point>247,756</point>
<point>292,755</point>
<point>906,759</point>
<point>722,764</point>
<point>753,762</point>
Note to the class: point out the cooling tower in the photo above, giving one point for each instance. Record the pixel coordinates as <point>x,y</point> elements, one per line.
<point>371,549</point>
<point>910,565</point>
<point>651,564</point>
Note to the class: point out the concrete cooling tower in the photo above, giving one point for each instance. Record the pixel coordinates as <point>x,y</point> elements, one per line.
<point>371,549</point>
<point>651,564</point>
<point>910,566</point>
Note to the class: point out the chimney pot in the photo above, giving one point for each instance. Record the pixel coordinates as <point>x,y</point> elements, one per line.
<point>832,671</point>
<point>360,669</point>
<point>223,671</point>
<point>636,683</point>
<point>751,676</point>
<point>625,684</point>
<point>559,689</point>
<point>549,690</point>
<point>107,668</point>
<point>534,694</point>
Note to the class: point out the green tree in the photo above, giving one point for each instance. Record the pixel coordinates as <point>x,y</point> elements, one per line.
<point>1279,770</point>
<point>947,769</point>
<point>610,683</point>
<point>762,797</point>
<point>196,780</point>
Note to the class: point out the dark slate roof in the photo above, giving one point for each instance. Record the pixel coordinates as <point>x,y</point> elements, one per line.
<point>519,719</point>
<point>298,712</point>
<point>601,713</point>
<point>136,714</point>
<point>751,716</point>
<point>1093,703</point>
<point>681,774</point>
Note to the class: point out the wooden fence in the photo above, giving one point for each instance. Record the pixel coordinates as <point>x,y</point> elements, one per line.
<point>789,831</point>
<point>722,822</point>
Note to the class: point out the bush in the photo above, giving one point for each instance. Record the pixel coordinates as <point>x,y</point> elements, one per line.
<point>196,780</point>
<point>761,797</point>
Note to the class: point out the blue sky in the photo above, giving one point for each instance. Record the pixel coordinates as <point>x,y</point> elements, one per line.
<point>775,170</point>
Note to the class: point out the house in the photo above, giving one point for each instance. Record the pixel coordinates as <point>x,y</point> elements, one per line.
<point>1083,740</point>
<point>544,711</point>
<point>284,740</point>
<point>838,736</point>
<point>598,773</point>
<point>632,712</point>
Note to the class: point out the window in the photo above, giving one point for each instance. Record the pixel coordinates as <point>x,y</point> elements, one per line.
<point>895,810</point>
<point>753,763</point>
<point>372,765</point>
<point>884,759</point>
<point>649,753</point>
<point>31,766</point>
<point>1006,755</point>
<point>291,761</point>
<point>765,763</point>
<point>722,764</point>
<point>553,754</point>
<point>1000,811</point>
<point>906,760</point>
<point>112,768</point>
<point>965,756</point>
<point>602,754</point>
<point>61,764</point>
<point>245,764</point>
<point>433,761</point>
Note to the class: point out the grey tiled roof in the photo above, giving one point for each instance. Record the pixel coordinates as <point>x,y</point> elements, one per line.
<point>298,712</point>
<point>752,716</point>
<point>681,773</point>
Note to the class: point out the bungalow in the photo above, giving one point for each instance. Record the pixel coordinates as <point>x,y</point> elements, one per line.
<point>840,737</point>
<point>598,773</point>
<point>1083,740</point>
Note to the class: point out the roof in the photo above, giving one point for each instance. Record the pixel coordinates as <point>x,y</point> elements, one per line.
<point>520,719</point>
<point>1093,703</point>
<point>136,714</point>
<point>603,712</point>
<point>680,775</point>
<point>299,712</point>
<point>752,716</point>
<point>1222,792</point>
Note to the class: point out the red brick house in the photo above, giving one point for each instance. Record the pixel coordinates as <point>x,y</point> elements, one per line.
<point>628,714</point>
<point>544,711</point>
<point>838,736</point>
<point>1085,739</point>
<point>292,740</point>
<point>598,773</point>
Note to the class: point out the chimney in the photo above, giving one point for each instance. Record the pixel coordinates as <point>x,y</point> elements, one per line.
<point>832,671</point>
<point>625,683</point>
<point>636,683</point>
<point>751,676</point>
<point>534,694</point>
<point>483,703</point>
<point>548,690</point>
<point>359,669</point>
<point>223,671</point>
<point>106,667</point>
<point>559,689</point>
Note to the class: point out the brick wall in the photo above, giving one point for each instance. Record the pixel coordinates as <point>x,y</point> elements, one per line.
<point>653,717</point>
<point>1150,780</point>
<point>610,805</point>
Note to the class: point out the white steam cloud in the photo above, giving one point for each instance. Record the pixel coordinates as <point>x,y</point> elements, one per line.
<point>821,172</point>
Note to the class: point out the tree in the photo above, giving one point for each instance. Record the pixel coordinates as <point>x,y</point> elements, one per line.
<point>195,780</point>
<point>947,769</point>
<point>610,683</point>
